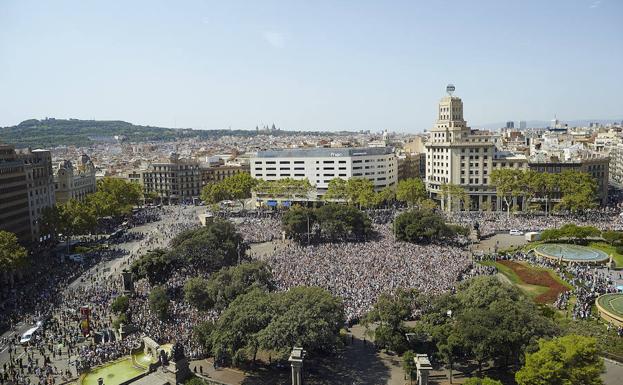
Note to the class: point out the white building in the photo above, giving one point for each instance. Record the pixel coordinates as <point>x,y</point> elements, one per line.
<point>458,155</point>
<point>320,165</point>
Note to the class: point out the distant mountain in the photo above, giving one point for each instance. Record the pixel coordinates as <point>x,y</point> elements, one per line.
<point>51,132</point>
<point>547,123</point>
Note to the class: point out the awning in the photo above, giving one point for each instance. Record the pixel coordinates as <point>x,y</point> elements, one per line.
<point>287,203</point>
<point>271,203</point>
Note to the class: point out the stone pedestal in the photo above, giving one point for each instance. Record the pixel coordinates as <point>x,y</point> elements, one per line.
<point>128,283</point>
<point>296,360</point>
<point>178,371</point>
<point>423,368</point>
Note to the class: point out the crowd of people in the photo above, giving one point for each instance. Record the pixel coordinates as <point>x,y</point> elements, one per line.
<point>489,223</point>
<point>359,272</point>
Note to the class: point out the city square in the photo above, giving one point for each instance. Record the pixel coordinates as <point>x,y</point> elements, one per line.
<point>311,193</point>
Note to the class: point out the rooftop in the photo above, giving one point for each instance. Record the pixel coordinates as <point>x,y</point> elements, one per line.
<point>324,152</point>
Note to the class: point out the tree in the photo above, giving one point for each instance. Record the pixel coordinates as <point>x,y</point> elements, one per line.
<point>567,360</point>
<point>227,284</point>
<point>77,218</point>
<point>239,325</point>
<point>211,247</point>
<point>298,221</point>
<point>385,196</point>
<point>304,316</point>
<point>509,185</point>
<point>50,221</point>
<point>120,305</point>
<point>114,197</point>
<point>411,191</point>
<point>159,302</point>
<point>454,196</point>
<point>360,192</point>
<point>235,187</point>
<point>579,191</point>
<point>12,254</point>
<point>342,222</point>
<point>481,381</point>
<point>390,310</point>
<point>196,293</point>
<point>336,190</point>
<point>214,193</point>
<point>408,363</point>
<point>288,188</point>
<point>420,226</point>
<point>155,265</point>
<point>570,231</point>
<point>612,237</point>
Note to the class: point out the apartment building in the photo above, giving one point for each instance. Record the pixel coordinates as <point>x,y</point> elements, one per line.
<point>40,185</point>
<point>73,182</point>
<point>174,181</point>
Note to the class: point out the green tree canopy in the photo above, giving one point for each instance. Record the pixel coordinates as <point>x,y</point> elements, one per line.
<point>389,311</point>
<point>211,247</point>
<point>482,381</point>
<point>227,284</point>
<point>155,265</point>
<point>567,360</point>
<point>159,302</point>
<point>114,197</point>
<point>422,226</point>
<point>411,191</point>
<point>343,222</point>
<point>12,254</point>
<point>304,316</point>
<point>120,305</point>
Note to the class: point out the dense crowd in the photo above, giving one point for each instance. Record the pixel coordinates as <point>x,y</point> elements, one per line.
<point>360,272</point>
<point>490,223</point>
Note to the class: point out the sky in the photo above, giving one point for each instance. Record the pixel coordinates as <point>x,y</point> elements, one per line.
<point>309,65</point>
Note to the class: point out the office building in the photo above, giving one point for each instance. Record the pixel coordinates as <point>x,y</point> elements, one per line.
<point>320,165</point>
<point>458,155</point>
<point>14,208</point>
<point>510,124</point>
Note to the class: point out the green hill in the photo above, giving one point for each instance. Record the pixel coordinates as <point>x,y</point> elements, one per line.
<point>51,132</point>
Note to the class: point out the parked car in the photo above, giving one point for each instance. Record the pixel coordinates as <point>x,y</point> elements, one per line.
<point>515,232</point>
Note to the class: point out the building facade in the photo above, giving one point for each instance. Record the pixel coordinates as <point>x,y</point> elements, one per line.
<point>458,155</point>
<point>74,182</point>
<point>212,174</point>
<point>14,208</point>
<point>320,165</point>
<point>175,181</point>
<point>41,188</point>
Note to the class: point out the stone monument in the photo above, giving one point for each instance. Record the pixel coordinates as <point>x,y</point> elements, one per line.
<point>423,368</point>
<point>296,360</point>
<point>128,283</point>
<point>177,368</point>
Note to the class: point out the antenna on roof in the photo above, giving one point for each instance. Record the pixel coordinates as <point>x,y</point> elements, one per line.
<point>450,89</point>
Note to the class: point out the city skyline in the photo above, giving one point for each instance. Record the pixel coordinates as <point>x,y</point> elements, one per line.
<point>347,66</point>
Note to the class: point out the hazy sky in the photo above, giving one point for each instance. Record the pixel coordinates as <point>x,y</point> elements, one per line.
<point>309,64</point>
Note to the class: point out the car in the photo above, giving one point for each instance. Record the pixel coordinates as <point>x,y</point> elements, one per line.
<point>515,232</point>
<point>76,258</point>
<point>28,335</point>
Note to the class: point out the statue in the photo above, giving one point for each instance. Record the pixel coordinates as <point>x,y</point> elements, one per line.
<point>177,352</point>
<point>164,361</point>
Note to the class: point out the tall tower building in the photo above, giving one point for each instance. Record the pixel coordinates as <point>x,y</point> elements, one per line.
<point>457,155</point>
